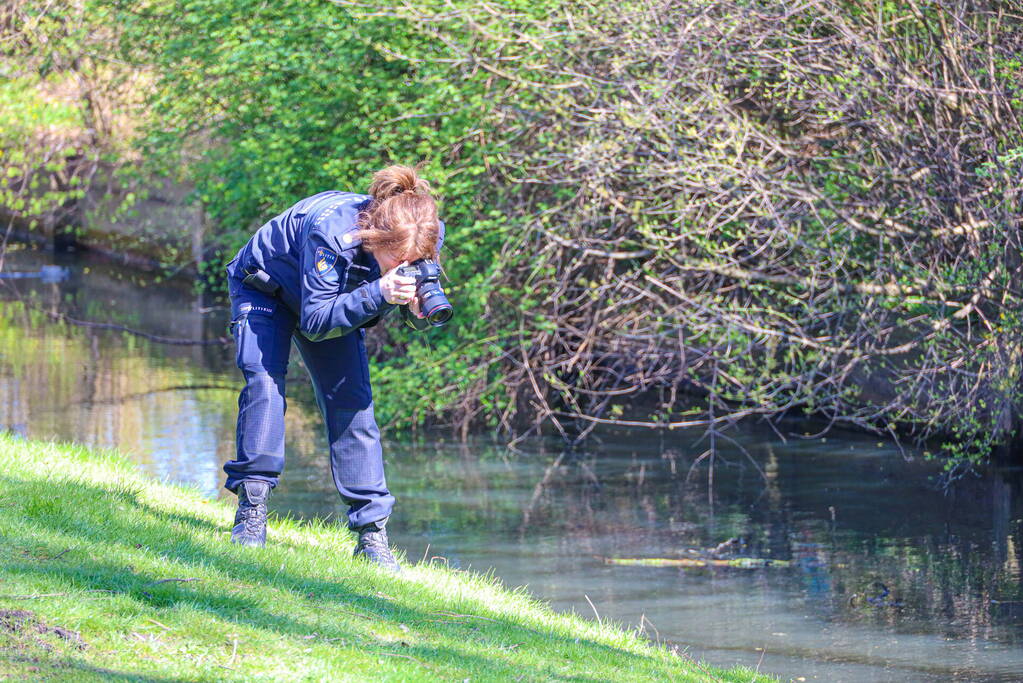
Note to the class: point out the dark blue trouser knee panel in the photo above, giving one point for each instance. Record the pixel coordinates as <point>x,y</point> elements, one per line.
<point>357,465</point>
<point>340,373</point>
<point>263,329</point>
<point>260,433</point>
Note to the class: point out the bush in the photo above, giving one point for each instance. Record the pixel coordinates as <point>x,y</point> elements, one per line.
<point>768,207</point>
<point>771,207</point>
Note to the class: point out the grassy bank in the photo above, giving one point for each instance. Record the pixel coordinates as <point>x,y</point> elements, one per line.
<point>105,574</point>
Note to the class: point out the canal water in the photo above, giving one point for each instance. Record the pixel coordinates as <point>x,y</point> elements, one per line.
<point>888,577</point>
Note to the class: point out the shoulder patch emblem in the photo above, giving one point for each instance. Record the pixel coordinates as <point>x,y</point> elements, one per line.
<point>324,260</point>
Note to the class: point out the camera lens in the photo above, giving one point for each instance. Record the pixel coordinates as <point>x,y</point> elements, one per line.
<point>440,315</point>
<point>435,306</point>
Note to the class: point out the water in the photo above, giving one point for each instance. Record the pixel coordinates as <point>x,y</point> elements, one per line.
<point>847,511</point>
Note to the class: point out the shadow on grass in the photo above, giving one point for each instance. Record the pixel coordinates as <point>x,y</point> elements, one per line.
<point>117,520</point>
<point>31,649</point>
<point>77,670</point>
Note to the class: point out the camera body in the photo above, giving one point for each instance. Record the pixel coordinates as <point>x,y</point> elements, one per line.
<point>433,304</point>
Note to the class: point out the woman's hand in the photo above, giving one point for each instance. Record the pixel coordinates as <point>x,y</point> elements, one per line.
<point>414,307</point>
<point>397,289</point>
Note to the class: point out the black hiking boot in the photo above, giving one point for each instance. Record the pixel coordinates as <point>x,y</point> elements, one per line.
<point>373,546</point>
<point>250,520</point>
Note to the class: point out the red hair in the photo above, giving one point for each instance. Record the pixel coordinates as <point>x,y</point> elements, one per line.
<point>402,217</point>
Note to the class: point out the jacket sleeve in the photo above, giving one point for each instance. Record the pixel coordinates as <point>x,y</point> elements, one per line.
<point>327,311</point>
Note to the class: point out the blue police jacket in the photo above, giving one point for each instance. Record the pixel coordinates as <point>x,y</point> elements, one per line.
<point>311,251</point>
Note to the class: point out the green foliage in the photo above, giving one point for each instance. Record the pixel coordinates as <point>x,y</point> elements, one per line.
<point>271,102</point>
<point>36,139</point>
<point>791,208</point>
<point>59,118</point>
<point>807,235</point>
<point>26,112</point>
<point>260,104</point>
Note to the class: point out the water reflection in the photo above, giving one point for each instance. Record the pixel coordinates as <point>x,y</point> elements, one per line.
<point>847,517</point>
<point>849,514</point>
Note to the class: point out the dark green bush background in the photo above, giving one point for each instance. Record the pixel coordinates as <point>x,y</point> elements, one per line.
<point>748,205</point>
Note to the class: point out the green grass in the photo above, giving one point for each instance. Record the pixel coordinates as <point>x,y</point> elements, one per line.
<point>144,573</point>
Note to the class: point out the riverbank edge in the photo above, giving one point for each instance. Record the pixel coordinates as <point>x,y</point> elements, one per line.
<point>106,573</point>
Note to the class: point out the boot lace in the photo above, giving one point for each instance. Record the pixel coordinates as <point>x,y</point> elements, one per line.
<point>375,543</point>
<point>252,518</point>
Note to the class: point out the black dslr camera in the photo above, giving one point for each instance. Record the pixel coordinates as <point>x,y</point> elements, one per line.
<point>434,306</point>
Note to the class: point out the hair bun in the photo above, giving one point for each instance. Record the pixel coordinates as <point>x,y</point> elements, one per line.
<point>402,217</point>
<point>396,180</point>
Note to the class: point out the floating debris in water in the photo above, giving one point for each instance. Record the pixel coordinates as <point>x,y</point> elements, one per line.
<point>45,274</point>
<point>694,563</point>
